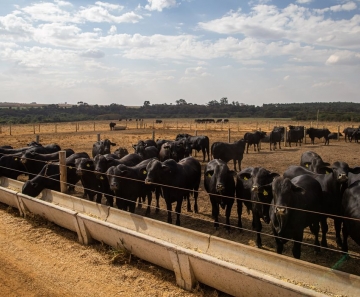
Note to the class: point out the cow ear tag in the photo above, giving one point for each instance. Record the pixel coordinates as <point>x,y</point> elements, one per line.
<point>87,165</point>
<point>327,172</point>
<point>306,165</point>
<point>209,175</point>
<point>265,193</point>
<point>144,172</point>
<point>16,159</point>
<point>101,177</point>
<point>245,178</point>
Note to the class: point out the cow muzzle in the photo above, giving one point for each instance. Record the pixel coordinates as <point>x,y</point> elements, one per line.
<point>255,189</point>
<point>220,187</point>
<point>148,182</point>
<point>342,177</point>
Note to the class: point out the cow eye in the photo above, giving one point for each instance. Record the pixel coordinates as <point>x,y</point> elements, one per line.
<point>144,172</point>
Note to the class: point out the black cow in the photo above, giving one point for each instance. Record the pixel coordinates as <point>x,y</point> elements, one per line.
<point>172,150</point>
<point>49,178</point>
<point>7,150</point>
<point>355,135</point>
<point>102,163</point>
<point>334,136</point>
<point>158,121</point>
<point>348,133</point>
<point>85,170</point>
<point>102,147</point>
<point>254,139</point>
<point>313,162</point>
<point>253,187</point>
<point>178,180</point>
<point>229,151</point>
<point>331,185</point>
<point>351,210</point>
<point>112,126</point>
<point>11,166</point>
<point>295,134</point>
<point>220,185</point>
<point>276,135</point>
<point>160,142</point>
<point>182,135</point>
<point>318,133</point>
<point>300,193</point>
<point>197,143</point>
<point>121,152</point>
<point>145,151</point>
<point>34,161</point>
<point>127,182</point>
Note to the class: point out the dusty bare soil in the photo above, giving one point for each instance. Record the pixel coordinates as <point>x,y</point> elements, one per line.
<point>41,259</point>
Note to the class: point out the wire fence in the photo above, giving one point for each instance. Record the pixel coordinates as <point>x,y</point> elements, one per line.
<point>238,199</point>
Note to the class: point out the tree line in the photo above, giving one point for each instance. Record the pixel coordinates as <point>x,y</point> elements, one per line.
<point>331,111</point>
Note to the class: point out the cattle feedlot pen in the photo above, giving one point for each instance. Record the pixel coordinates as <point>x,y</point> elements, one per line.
<point>235,227</point>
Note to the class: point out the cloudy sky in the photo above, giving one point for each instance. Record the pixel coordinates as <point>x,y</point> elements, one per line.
<point>127,52</point>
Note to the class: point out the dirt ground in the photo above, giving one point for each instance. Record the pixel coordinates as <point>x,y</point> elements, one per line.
<point>39,258</point>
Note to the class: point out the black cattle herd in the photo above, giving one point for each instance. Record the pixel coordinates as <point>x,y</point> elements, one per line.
<point>304,196</point>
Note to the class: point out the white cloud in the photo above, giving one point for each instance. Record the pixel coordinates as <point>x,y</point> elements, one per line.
<point>293,23</point>
<point>344,58</point>
<point>286,77</point>
<point>100,14</point>
<point>303,1</point>
<point>109,5</point>
<point>159,5</point>
<point>112,30</point>
<point>92,53</point>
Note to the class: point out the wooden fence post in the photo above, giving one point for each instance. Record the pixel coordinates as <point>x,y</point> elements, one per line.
<point>94,126</point>
<point>63,171</point>
<point>98,137</point>
<point>37,139</point>
<point>39,127</point>
<point>55,128</point>
<point>10,129</point>
<point>34,128</point>
<point>153,134</point>
<point>229,135</point>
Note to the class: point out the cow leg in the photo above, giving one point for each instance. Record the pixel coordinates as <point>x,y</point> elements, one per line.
<point>98,198</point>
<point>257,226</point>
<point>109,200</point>
<point>188,203</point>
<point>278,241</point>
<point>247,148</point>
<point>337,224</point>
<point>215,212</point>
<point>298,237</point>
<point>178,211</point>
<point>169,210</point>
<point>204,154</point>
<point>239,212</point>
<point>279,145</point>
<point>132,205</point>
<point>324,230</point>
<point>227,214</point>
<point>345,233</point>
<point>149,198</point>
<point>315,230</point>
<point>157,197</point>
<point>139,201</point>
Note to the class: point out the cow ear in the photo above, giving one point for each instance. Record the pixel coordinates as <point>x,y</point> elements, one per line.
<point>134,146</point>
<point>166,168</point>
<point>355,170</point>
<point>209,173</point>
<point>297,189</point>
<point>244,176</point>
<point>274,175</point>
